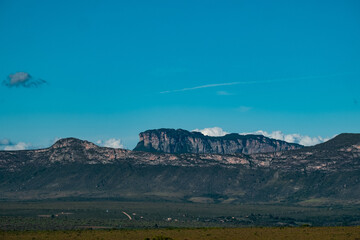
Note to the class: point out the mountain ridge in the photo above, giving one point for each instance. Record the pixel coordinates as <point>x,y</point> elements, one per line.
<point>182,141</point>
<point>78,168</point>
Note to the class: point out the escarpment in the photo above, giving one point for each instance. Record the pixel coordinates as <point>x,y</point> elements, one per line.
<point>182,141</point>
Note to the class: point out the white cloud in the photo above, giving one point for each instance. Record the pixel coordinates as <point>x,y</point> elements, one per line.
<point>244,108</point>
<point>5,141</point>
<point>18,146</point>
<point>19,78</point>
<point>111,143</point>
<point>6,144</point>
<point>22,79</point>
<point>213,132</point>
<point>291,138</point>
<point>55,140</point>
<point>223,93</point>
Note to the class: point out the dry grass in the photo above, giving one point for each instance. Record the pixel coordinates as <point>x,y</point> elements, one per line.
<point>306,233</point>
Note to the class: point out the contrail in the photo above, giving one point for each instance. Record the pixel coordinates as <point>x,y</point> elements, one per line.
<point>202,86</point>
<point>250,82</point>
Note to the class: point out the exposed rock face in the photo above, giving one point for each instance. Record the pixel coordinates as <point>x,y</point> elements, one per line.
<point>76,150</point>
<point>76,168</point>
<point>339,153</point>
<point>64,151</point>
<point>182,141</point>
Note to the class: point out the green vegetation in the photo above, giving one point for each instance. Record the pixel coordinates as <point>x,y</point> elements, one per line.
<point>279,233</point>
<point>102,220</point>
<point>80,215</point>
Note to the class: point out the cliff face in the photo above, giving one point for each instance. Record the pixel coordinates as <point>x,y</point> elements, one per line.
<point>76,168</point>
<point>182,141</point>
<point>342,152</point>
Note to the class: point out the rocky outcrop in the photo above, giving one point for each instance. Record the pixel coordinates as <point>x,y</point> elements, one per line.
<point>182,141</point>
<point>342,152</point>
<point>77,168</point>
<point>64,151</point>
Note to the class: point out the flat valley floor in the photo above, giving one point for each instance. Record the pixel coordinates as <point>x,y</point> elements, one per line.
<point>98,220</point>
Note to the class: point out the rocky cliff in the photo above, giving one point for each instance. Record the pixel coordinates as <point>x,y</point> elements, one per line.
<point>77,168</point>
<point>182,141</point>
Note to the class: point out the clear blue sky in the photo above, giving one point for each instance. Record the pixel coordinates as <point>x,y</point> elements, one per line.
<point>115,68</point>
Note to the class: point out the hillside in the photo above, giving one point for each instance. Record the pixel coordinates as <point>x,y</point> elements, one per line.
<point>80,169</point>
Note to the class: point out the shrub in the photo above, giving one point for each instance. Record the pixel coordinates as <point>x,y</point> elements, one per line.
<point>159,238</point>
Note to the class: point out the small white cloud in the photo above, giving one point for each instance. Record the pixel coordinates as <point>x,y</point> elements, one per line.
<point>310,141</point>
<point>6,144</point>
<point>19,78</point>
<point>213,132</point>
<point>22,79</point>
<point>291,138</point>
<point>5,141</point>
<point>55,140</point>
<point>18,146</point>
<point>244,108</point>
<point>223,93</point>
<point>111,143</point>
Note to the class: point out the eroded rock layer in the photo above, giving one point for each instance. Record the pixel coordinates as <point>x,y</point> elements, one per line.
<point>182,141</point>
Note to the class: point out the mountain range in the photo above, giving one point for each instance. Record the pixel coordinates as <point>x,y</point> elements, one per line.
<point>177,165</point>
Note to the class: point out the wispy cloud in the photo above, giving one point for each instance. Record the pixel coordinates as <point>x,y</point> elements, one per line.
<point>111,143</point>
<point>22,79</point>
<point>18,146</point>
<point>202,86</point>
<point>251,82</point>
<point>223,93</point>
<point>244,108</point>
<point>7,145</point>
<point>4,141</point>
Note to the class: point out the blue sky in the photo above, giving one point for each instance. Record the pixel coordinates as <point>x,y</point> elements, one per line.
<point>116,68</point>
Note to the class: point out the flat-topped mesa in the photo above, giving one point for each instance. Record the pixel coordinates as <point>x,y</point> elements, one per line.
<point>182,141</point>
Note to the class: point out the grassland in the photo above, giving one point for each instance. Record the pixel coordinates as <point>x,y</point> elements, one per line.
<point>80,215</point>
<point>306,233</point>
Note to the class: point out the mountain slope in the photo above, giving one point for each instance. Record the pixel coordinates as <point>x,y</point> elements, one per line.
<point>76,168</point>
